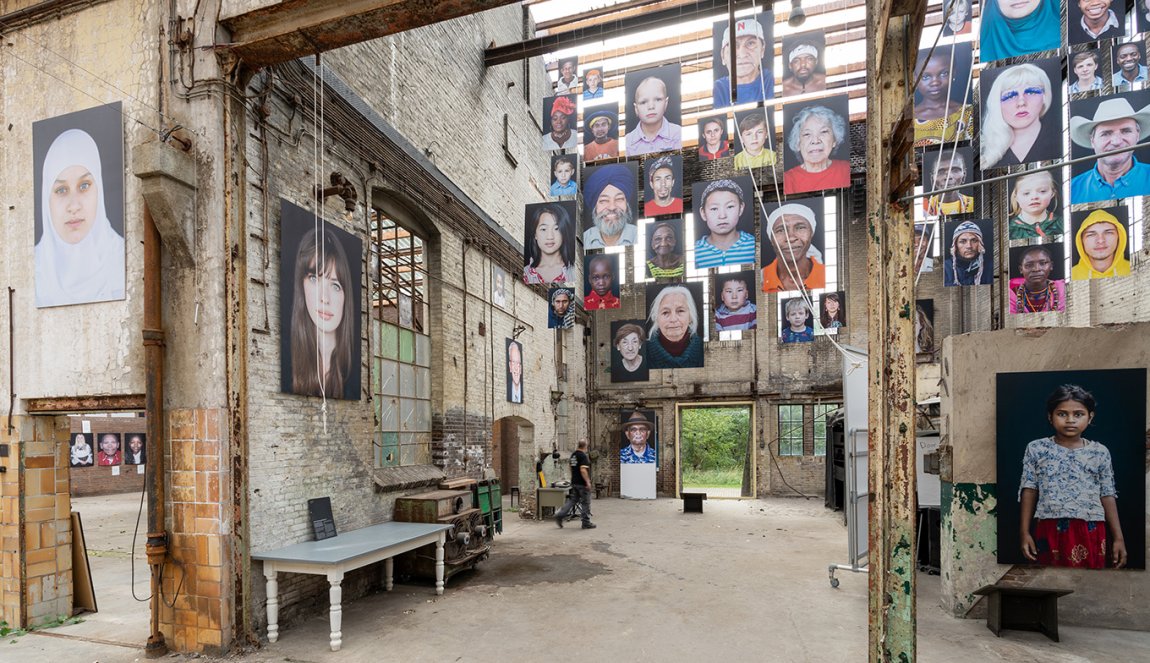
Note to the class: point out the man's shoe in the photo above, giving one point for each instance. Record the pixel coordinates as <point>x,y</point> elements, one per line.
<point>559,521</point>
<point>587,526</point>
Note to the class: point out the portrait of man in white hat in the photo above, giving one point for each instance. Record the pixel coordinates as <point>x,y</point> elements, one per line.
<point>752,74</point>
<point>805,70</point>
<point>791,246</point>
<point>1113,125</point>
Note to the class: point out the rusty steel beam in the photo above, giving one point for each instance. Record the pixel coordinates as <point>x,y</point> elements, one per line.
<point>293,28</point>
<point>893,45</point>
<point>85,404</point>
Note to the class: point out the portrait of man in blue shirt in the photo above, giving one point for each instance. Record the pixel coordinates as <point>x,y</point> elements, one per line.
<point>754,81</point>
<point>1115,125</point>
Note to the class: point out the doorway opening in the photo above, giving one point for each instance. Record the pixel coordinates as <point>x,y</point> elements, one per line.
<point>715,450</point>
<point>107,454</point>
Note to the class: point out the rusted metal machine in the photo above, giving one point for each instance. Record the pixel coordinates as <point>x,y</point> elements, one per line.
<point>467,540</point>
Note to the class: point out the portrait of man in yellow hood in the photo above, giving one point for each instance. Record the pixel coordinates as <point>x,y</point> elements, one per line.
<point>1101,246</point>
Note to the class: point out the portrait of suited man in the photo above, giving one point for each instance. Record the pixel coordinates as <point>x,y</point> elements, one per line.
<point>514,371</point>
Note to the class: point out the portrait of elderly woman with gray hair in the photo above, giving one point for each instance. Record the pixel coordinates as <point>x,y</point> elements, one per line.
<point>674,340</point>
<point>815,133</point>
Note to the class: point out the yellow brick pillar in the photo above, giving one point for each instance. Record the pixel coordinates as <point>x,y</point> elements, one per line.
<point>35,523</point>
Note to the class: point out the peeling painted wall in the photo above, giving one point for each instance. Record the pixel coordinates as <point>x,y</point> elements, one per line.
<point>1113,599</point>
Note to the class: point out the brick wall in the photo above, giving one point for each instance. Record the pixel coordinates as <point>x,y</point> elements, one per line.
<point>103,480</point>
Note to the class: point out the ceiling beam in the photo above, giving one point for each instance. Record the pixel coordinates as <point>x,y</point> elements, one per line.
<point>294,28</point>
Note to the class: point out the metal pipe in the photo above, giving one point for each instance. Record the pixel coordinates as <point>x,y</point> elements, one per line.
<point>153,337</point>
<point>11,358</point>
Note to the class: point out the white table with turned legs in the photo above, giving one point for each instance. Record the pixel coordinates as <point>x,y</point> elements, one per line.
<point>349,551</point>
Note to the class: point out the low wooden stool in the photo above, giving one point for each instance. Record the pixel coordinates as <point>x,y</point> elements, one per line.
<point>693,502</point>
<point>1022,609</point>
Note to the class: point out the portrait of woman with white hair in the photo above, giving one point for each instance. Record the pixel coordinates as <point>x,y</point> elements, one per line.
<point>674,338</point>
<point>818,145</point>
<point>79,255</point>
<point>1021,114</point>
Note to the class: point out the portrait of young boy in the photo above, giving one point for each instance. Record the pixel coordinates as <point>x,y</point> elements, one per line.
<point>736,294</point>
<point>563,181</point>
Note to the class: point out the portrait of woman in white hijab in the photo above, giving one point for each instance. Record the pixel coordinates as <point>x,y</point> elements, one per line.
<point>79,250</point>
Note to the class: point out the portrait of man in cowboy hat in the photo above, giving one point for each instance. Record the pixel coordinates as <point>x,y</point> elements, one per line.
<point>638,447</point>
<point>1113,125</point>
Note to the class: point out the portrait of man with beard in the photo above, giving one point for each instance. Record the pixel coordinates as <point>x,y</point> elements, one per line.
<point>609,205</point>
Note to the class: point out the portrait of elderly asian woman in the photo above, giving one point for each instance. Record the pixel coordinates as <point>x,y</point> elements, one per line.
<point>815,133</point>
<point>628,361</point>
<point>549,244</point>
<point>1021,118</point>
<point>674,338</point>
<point>79,255</point>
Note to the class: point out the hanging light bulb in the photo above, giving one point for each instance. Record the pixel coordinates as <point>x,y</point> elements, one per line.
<point>797,15</point>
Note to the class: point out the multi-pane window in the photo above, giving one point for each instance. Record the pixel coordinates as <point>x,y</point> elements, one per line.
<point>790,430</point>
<point>401,346</point>
<point>796,438</point>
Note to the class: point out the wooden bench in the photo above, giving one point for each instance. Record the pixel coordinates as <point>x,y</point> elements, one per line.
<point>351,550</point>
<point>1022,609</point>
<point>693,502</point>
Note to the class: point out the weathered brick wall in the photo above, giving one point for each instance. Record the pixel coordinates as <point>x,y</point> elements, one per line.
<point>103,480</point>
<point>293,456</point>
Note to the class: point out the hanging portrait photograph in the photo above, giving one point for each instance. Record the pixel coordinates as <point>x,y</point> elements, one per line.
<point>135,448</point>
<point>561,308</point>
<point>501,290</point>
<point>1142,13</point>
<point>600,281</point>
<point>734,293</point>
<point>714,139</point>
<point>1094,20</point>
<point>592,82</point>
<point>1037,278</point>
<point>804,63</point>
<point>754,77</point>
<point>956,17</point>
<point>1012,28</point>
<point>514,376</point>
<point>610,205</point>
<point>1071,473</point>
<point>629,351</point>
<point>724,222</point>
<point>946,167</point>
<point>924,336</point>
<point>1105,124</point>
<point>549,243</point>
<point>675,325</point>
<point>1129,65</point>
<point>665,249</point>
<point>943,102</point>
<point>1101,246</point>
<point>1088,71</point>
<point>832,312</point>
<point>78,177</point>
<point>82,450</point>
<point>663,186</point>
<point>320,301</point>
<point>559,123</point>
<point>797,320</point>
<point>755,144</point>
<point>795,231</point>
<point>640,439</point>
<point>817,142</point>
<point>1021,113</point>
<point>601,132</point>
<point>567,80</point>
<point>1035,205</point>
<point>654,110</point>
<point>968,250</point>
<point>564,175</point>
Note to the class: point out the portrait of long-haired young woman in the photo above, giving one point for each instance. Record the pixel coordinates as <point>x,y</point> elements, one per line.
<point>319,297</point>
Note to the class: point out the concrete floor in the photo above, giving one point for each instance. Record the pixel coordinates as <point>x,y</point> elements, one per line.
<point>746,580</point>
